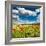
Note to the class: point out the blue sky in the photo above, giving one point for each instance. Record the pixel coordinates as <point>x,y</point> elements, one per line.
<point>26,14</point>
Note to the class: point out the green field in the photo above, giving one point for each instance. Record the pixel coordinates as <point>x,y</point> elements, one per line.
<point>25,30</point>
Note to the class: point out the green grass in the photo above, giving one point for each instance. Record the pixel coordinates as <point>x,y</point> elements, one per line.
<point>26,30</point>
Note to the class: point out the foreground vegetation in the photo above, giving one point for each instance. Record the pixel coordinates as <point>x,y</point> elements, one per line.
<point>25,30</point>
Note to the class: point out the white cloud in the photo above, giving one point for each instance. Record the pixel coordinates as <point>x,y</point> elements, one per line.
<point>26,22</point>
<point>24,11</point>
<point>19,8</point>
<point>37,10</point>
<point>15,16</point>
<point>33,13</point>
<point>30,22</point>
<point>38,18</point>
<point>29,12</point>
<point>19,21</point>
<point>15,11</point>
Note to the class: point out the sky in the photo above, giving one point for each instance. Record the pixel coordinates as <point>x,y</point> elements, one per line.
<point>26,14</point>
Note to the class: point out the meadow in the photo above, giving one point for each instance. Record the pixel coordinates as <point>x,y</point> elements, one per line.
<point>25,30</point>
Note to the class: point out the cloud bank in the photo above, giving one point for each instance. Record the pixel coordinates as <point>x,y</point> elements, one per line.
<point>26,12</point>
